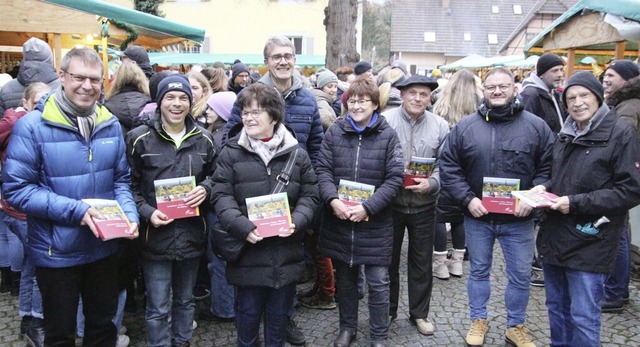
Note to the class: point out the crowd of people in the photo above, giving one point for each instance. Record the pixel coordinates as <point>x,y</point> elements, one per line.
<point>237,135</point>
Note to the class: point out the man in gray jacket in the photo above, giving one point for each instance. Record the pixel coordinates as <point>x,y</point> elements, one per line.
<point>36,66</point>
<point>421,134</point>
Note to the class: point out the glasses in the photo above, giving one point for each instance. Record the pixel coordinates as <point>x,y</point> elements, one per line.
<point>360,102</point>
<point>502,87</point>
<point>278,57</point>
<point>96,81</point>
<point>253,113</point>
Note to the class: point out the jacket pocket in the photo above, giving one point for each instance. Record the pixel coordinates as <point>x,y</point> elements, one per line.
<point>517,157</point>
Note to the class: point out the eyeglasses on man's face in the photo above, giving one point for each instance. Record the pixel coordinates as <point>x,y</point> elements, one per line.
<point>96,81</point>
<point>278,57</point>
<point>360,102</point>
<point>253,113</point>
<point>501,87</point>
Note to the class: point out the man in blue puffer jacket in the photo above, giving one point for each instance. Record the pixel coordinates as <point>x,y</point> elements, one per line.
<point>69,149</point>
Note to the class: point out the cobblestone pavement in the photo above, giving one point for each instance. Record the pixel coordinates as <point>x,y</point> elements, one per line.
<point>449,312</point>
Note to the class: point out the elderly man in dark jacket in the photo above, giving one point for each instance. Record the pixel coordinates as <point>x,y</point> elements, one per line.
<point>499,140</point>
<point>171,146</point>
<point>595,173</point>
<point>36,66</point>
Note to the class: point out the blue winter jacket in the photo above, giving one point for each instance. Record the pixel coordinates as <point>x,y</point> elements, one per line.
<point>50,167</point>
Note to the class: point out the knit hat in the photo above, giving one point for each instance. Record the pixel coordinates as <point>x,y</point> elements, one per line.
<point>418,80</point>
<point>219,64</point>
<point>625,68</point>
<point>35,49</point>
<point>255,76</point>
<point>587,80</point>
<point>362,67</point>
<point>547,62</point>
<point>137,54</point>
<point>325,77</point>
<point>399,64</point>
<point>174,82</point>
<point>221,103</point>
<point>237,69</point>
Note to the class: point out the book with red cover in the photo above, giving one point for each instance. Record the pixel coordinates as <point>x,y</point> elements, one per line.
<point>270,214</point>
<point>536,200</point>
<point>112,222</point>
<point>418,168</point>
<point>170,194</point>
<point>496,194</point>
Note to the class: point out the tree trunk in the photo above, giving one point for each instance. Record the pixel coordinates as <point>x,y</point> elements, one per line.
<point>340,20</point>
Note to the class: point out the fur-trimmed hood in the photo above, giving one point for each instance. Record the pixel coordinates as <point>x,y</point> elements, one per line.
<point>630,90</point>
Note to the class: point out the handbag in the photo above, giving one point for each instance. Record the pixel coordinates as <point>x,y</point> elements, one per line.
<point>228,247</point>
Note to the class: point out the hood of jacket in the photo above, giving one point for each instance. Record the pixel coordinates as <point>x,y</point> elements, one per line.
<point>36,71</point>
<point>594,124</point>
<point>322,96</point>
<point>296,84</point>
<point>630,90</point>
<point>503,114</point>
<point>533,81</point>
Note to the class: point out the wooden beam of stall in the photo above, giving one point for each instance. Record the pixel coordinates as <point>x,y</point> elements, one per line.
<point>620,48</point>
<point>582,51</point>
<point>571,54</point>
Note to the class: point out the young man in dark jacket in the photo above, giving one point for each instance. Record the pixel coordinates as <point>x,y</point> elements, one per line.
<point>499,140</point>
<point>171,146</point>
<point>595,174</point>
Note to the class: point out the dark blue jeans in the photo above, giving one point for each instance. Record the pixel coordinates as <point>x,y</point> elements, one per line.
<point>377,278</point>
<point>254,303</point>
<point>617,284</point>
<point>62,288</point>
<point>573,302</point>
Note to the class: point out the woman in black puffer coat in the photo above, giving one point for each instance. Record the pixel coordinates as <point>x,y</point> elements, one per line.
<point>128,95</point>
<point>363,148</point>
<point>248,166</point>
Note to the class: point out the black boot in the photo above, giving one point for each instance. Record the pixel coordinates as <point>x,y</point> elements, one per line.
<point>35,333</point>
<point>5,278</point>
<point>25,322</point>
<point>15,283</point>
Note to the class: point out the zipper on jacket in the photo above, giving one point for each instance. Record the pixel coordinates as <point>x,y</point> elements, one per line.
<point>50,252</point>
<point>90,153</point>
<point>355,178</point>
<point>353,239</point>
<point>493,151</point>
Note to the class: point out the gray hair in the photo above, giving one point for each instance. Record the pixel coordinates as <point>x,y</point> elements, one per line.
<point>85,54</point>
<point>279,41</point>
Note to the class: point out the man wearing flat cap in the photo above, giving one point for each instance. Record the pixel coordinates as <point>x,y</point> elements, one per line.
<point>596,176</point>
<point>364,69</point>
<point>422,134</point>
<point>139,56</point>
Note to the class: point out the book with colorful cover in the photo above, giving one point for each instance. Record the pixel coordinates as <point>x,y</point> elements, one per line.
<point>418,167</point>
<point>536,200</point>
<point>170,194</point>
<point>354,193</point>
<point>112,222</point>
<point>496,194</point>
<point>270,214</point>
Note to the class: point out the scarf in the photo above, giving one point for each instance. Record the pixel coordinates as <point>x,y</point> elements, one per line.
<point>265,150</point>
<point>359,129</point>
<point>83,119</point>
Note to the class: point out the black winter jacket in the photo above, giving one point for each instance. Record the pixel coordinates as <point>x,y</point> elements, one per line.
<point>537,100</point>
<point>30,71</point>
<point>126,106</point>
<point>488,144</point>
<point>152,155</point>
<point>276,261</point>
<point>371,157</point>
<point>599,173</point>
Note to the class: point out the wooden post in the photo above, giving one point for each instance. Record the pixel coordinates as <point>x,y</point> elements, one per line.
<point>571,54</point>
<point>57,50</point>
<point>620,47</point>
<point>105,63</point>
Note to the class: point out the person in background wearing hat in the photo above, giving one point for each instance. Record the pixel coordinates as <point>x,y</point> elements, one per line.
<point>502,140</point>
<point>239,78</point>
<point>363,69</point>
<point>622,92</point>
<point>401,65</point>
<point>326,92</point>
<point>596,176</point>
<point>171,145</point>
<point>421,134</point>
<point>36,66</point>
<point>539,94</point>
<point>138,55</point>
<point>68,149</point>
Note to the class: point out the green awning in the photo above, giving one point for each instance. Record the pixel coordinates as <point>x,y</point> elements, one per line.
<point>147,25</point>
<point>210,58</point>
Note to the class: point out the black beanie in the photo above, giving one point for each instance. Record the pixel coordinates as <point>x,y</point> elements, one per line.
<point>547,62</point>
<point>625,68</point>
<point>361,67</point>
<point>237,69</point>
<point>174,82</point>
<point>587,80</point>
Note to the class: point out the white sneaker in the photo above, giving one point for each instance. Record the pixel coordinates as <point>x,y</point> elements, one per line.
<point>425,327</point>
<point>194,325</point>
<point>122,341</point>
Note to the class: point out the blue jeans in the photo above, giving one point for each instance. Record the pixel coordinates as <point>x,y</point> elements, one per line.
<point>222,293</point>
<point>573,302</point>
<point>11,246</point>
<point>517,242</point>
<point>255,303</point>
<point>30,299</point>
<point>377,278</point>
<point>169,321</point>
<point>617,284</point>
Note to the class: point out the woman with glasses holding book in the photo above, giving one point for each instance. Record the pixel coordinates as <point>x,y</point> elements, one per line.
<point>261,152</point>
<point>360,150</point>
